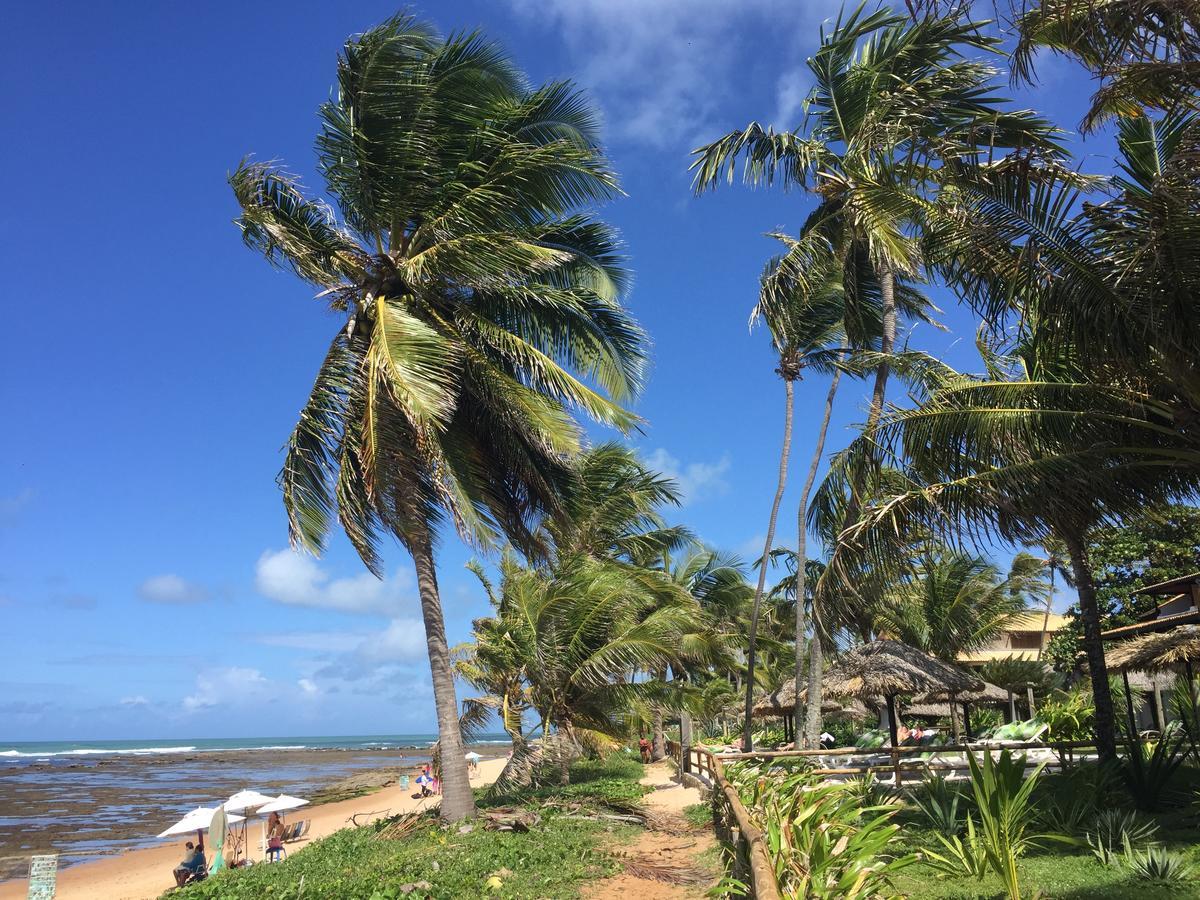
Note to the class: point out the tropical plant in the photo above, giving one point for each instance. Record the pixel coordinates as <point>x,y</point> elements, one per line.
<point>938,800</point>
<point>822,842</point>
<point>568,639</point>
<point>1159,865</point>
<point>1144,53</point>
<point>1068,714</point>
<point>1148,770</point>
<point>1115,832</point>
<point>806,320</point>
<point>470,285</point>
<point>1007,813</point>
<point>1089,400</point>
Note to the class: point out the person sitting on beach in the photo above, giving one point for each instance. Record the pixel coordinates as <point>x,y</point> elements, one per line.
<point>194,865</point>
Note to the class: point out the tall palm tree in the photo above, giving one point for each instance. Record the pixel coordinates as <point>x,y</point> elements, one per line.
<point>806,328</point>
<point>479,305</point>
<point>893,102</point>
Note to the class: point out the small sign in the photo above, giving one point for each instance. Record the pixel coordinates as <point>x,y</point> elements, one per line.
<point>43,876</point>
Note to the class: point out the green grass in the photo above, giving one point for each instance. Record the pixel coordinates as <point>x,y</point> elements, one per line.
<point>698,814</point>
<point>554,859</point>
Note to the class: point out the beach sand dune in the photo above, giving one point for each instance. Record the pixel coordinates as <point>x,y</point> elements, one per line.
<point>145,874</point>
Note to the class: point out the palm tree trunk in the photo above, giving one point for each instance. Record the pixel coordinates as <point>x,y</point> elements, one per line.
<point>789,404</point>
<point>457,800</point>
<point>1093,645</point>
<point>1046,617</point>
<point>659,740</point>
<point>816,665</point>
<point>802,548</point>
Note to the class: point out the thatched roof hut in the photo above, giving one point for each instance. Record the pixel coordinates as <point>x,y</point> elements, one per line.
<point>1175,649</point>
<point>782,702</point>
<point>987,695</point>
<point>887,668</point>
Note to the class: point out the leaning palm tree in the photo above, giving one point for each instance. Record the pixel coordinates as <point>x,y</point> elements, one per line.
<point>479,306</point>
<point>893,102</point>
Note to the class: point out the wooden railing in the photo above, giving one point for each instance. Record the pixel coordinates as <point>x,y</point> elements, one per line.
<point>744,840</point>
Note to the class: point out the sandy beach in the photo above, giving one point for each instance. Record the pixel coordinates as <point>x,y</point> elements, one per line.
<point>144,874</point>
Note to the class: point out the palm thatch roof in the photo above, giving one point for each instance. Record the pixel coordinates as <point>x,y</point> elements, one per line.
<point>986,695</point>
<point>887,668</point>
<point>782,702</point>
<point>1156,652</point>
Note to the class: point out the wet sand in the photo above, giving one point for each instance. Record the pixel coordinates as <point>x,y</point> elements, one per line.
<point>144,874</point>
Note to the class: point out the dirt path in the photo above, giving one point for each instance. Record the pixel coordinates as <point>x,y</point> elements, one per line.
<point>672,851</point>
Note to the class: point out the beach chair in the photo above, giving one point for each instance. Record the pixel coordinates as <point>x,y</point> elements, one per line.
<point>304,826</point>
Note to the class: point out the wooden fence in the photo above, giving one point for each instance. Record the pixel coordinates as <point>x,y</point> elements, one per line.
<point>751,862</point>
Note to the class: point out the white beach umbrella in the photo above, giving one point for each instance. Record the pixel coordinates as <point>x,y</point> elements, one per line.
<point>197,820</point>
<point>282,803</point>
<point>473,757</point>
<point>246,800</point>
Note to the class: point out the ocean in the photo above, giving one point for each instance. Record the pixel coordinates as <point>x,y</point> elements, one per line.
<point>14,752</point>
<point>86,799</point>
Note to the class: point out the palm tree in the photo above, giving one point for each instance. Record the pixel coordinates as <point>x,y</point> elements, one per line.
<point>893,101</point>
<point>565,639</point>
<point>479,305</point>
<point>1092,417</point>
<point>1145,53</point>
<point>1056,563</point>
<point>806,330</point>
<point>955,603</point>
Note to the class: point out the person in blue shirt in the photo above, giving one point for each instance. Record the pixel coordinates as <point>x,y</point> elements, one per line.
<point>194,865</point>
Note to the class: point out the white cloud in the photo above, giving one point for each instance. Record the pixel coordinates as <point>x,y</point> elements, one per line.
<point>790,91</point>
<point>171,589</point>
<point>697,480</point>
<point>289,577</point>
<point>308,687</point>
<point>402,641</point>
<point>230,686</point>
<point>662,68</point>
<point>138,700</point>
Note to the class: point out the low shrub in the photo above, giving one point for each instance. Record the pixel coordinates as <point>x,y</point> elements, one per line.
<point>938,800</point>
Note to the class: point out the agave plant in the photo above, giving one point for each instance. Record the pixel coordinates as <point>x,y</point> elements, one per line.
<point>1116,832</point>
<point>1158,865</point>
<point>1007,816</point>
<point>938,800</point>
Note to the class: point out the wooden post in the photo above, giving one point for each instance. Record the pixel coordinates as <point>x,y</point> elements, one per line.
<point>1133,729</point>
<point>893,727</point>
<point>967,720</point>
<point>1029,697</point>
<point>1160,718</point>
<point>1012,707</point>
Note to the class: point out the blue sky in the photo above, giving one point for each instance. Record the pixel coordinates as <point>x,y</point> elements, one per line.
<point>154,366</point>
